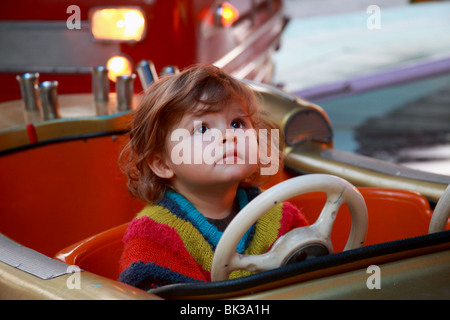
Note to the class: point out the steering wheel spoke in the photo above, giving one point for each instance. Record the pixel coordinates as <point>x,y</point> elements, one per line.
<point>290,242</point>
<point>325,221</point>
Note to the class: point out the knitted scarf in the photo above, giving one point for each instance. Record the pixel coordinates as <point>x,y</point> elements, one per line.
<point>171,242</point>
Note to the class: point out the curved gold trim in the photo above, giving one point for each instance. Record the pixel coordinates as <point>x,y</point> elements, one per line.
<point>417,277</point>
<point>80,115</point>
<point>279,106</point>
<point>308,158</point>
<point>16,284</point>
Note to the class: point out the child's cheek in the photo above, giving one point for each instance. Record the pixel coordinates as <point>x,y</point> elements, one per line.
<point>250,148</point>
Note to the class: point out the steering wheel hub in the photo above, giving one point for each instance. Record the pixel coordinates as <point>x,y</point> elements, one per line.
<point>307,252</point>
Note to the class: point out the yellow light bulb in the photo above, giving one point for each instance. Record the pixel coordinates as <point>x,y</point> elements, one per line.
<point>117,66</point>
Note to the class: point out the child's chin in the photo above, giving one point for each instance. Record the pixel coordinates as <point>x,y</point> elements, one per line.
<point>238,171</point>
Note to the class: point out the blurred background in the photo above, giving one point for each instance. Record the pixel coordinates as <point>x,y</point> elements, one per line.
<point>379,68</point>
<point>381,71</point>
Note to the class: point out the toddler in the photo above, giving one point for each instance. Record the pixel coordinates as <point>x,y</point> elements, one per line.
<point>195,155</point>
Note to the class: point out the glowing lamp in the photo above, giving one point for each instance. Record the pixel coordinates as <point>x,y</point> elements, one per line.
<point>117,23</point>
<point>226,14</point>
<point>118,66</point>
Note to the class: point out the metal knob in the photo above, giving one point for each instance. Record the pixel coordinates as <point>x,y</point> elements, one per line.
<point>100,84</point>
<point>167,70</point>
<point>125,91</point>
<point>147,73</point>
<point>28,83</point>
<point>48,94</point>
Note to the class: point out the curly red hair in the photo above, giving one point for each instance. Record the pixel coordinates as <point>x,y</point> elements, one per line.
<point>198,89</point>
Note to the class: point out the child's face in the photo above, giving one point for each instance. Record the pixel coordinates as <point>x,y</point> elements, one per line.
<point>212,148</point>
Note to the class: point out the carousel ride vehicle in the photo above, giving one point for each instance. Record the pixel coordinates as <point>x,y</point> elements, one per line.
<point>378,230</point>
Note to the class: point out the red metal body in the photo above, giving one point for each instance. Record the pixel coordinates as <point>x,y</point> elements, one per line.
<point>34,37</point>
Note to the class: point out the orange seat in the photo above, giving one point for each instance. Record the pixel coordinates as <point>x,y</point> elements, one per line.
<point>393,215</point>
<point>98,254</point>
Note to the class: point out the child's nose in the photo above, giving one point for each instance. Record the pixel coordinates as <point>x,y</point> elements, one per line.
<point>229,136</point>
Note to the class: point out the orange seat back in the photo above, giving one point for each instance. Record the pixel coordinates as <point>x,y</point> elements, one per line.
<point>99,254</point>
<point>393,215</point>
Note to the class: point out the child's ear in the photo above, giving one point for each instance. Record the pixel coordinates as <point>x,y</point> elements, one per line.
<point>159,167</point>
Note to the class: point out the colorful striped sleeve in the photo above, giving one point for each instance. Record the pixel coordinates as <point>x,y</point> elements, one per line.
<point>154,255</point>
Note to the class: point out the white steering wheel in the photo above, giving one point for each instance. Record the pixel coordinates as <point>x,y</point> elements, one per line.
<point>290,245</point>
<point>441,213</point>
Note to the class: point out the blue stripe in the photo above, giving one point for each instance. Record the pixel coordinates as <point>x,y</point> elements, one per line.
<point>185,210</point>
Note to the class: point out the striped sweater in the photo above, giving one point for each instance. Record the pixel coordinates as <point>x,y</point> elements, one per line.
<point>171,242</point>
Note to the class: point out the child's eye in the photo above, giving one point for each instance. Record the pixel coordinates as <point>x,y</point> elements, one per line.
<point>237,124</point>
<point>201,129</point>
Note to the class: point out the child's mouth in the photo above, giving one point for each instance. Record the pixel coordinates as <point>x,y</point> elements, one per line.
<point>230,156</point>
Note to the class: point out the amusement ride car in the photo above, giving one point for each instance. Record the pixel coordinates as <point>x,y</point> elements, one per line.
<point>65,208</point>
